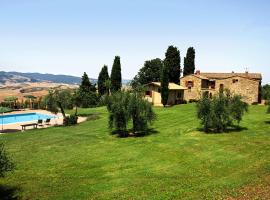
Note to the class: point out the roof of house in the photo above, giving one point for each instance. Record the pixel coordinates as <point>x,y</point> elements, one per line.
<point>172,86</point>
<point>211,75</point>
<point>256,76</point>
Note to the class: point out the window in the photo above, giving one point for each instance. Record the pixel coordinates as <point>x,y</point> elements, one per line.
<point>235,80</point>
<point>158,90</point>
<point>189,84</point>
<point>148,93</point>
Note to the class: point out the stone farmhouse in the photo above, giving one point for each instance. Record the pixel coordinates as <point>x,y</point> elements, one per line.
<point>245,84</point>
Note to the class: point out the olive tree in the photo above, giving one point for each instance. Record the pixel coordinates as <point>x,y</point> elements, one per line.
<point>224,110</point>
<point>124,107</point>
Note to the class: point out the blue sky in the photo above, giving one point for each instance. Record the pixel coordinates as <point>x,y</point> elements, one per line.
<point>70,37</point>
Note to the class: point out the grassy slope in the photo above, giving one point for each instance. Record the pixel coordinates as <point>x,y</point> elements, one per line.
<point>177,162</point>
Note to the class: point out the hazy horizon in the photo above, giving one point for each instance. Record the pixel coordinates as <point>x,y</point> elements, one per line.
<point>72,37</point>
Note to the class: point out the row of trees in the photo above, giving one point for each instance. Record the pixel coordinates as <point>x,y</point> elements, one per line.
<point>152,69</point>
<point>171,69</point>
<point>108,84</point>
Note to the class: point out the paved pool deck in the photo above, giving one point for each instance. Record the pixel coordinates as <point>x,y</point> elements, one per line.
<point>16,127</point>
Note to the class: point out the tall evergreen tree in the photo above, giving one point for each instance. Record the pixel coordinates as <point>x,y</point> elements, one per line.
<point>86,85</point>
<point>102,78</point>
<point>116,77</point>
<point>172,61</point>
<point>189,62</point>
<point>164,85</point>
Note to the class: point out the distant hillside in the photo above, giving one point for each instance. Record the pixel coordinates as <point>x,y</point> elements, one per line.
<point>19,77</point>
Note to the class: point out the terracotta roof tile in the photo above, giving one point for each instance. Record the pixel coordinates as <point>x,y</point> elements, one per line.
<point>256,76</point>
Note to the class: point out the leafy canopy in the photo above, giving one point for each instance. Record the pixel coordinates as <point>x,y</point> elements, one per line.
<point>150,72</point>
<point>220,112</point>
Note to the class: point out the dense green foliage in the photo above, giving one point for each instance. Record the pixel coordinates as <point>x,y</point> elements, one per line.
<point>141,113</point>
<point>86,85</point>
<point>70,120</point>
<point>50,103</point>
<point>164,85</point>
<point>189,62</point>
<point>266,92</point>
<point>118,112</point>
<point>103,77</point>
<point>116,77</point>
<point>219,113</point>
<point>5,163</point>
<point>125,106</point>
<point>172,62</point>
<point>150,72</point>
<point>86,96</point>
<point>175,162</point>
<point>5,109</point>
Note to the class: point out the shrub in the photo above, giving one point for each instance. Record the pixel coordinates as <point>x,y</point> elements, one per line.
<point>220,112</point>
<point>70,120</point>
<point>124,107</point>
<point>141,113</point>
<point>118,112</point>
<point>5,163</point>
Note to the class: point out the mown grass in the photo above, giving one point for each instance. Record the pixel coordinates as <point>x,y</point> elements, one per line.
<point>175,162</point>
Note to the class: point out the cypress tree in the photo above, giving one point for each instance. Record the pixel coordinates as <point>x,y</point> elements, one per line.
<point>189,62</point>
<point>86,85</point>
<point>164,85</point>
<point>172,61</point>
<point>116,78</point>
<point>102,78</point>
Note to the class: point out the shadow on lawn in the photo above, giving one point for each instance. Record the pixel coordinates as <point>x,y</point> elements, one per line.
<point>129,133</point>
<point>9,193</point>
<point>10,131</point>
<point>229,130</point>
<point>267,122</point>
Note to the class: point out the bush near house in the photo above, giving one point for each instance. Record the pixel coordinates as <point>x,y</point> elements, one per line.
<point>221,112</point>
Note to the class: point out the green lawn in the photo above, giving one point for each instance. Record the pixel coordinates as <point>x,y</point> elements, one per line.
<point>175,162</point>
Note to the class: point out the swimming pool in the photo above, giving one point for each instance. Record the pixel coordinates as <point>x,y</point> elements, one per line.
<point>26,117</point>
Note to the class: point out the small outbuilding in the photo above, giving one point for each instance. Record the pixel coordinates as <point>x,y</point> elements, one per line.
<point>153,95</point>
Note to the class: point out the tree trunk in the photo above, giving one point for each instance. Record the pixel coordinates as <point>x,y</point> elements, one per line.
<point>62,109</point>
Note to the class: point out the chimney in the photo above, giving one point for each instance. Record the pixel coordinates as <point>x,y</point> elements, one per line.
<point>198,72</point>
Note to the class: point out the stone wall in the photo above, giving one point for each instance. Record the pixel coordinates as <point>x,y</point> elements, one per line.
<point>247,88</point>
<point>194,92</point>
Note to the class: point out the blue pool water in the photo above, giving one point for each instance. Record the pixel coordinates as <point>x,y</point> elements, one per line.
<point>26,117</point>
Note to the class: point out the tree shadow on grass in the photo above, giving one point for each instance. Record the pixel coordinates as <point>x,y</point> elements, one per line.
<point>10,131</point>
<point>130,133</point>
<point>232,129</point>
<point>9,193</point>
<point>267,122</point>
